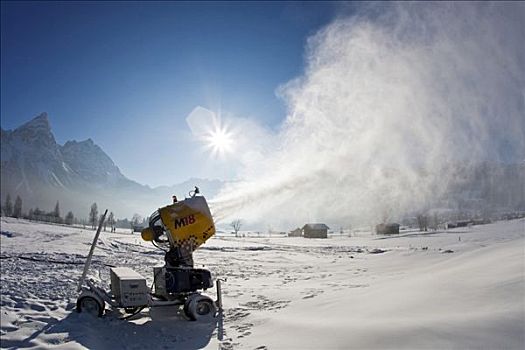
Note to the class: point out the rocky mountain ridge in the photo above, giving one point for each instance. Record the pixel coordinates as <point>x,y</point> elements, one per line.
<point>78,173</point>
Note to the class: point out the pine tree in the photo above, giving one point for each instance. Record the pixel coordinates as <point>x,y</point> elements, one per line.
<point>17,210</point>
<point>69,218</point>
<point>93,215</point>
<point>8,206</point>
<point>56,212</point>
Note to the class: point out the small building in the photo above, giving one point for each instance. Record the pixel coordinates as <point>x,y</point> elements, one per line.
<point>463,223</point>
<point>387,229</point>
<point>295,233</point>
<point>315,231</point>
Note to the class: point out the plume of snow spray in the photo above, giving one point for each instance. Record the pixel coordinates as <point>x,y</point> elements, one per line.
<point>391,100</point>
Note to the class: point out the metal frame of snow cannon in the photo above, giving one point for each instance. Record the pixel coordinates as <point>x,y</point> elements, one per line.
<point>92,298</point>
<point>197,306</point>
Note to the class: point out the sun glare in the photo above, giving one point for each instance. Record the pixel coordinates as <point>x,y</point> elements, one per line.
<point>220,141</point>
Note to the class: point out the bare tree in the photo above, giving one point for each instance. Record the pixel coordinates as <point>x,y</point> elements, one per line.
<point>434,222</point>
<point>236,225</point>
<point>93,215</point>
<point>136,219</point>
<point>422,222</point>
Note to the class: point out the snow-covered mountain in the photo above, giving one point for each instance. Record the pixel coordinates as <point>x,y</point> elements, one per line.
<point>90,162</point>
<point>39,170</point>
<point>31,157</point>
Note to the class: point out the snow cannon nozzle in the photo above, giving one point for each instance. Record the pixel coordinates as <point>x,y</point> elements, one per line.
<point>195,192</point>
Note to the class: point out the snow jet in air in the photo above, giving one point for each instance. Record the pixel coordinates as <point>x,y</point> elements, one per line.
<point>396,103</point>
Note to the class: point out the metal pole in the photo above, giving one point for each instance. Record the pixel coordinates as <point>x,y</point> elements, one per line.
<point>219,295</point>
<point>90,255</point>
<point>220,314</point>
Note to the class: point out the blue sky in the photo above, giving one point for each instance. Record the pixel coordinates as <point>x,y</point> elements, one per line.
<point>128,74</point>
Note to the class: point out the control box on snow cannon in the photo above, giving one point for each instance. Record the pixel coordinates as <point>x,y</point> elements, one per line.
<point>180,280</point>
<point>128,287</point>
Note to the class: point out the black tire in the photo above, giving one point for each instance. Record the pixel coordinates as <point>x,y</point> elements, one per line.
<point>187,312</point>
<point>205,308</point>
<point>90,305</point>
<point>131,310</point>
<point>199,308</point>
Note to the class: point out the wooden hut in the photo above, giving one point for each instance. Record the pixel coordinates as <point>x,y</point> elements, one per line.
<point>295,233</point>
<point>315,231</point>
<point>387,229</point>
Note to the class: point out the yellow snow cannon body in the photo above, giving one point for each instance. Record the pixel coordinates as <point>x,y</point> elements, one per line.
<point>187,224</point>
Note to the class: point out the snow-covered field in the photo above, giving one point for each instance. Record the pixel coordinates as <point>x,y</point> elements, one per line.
<point>461,288</point>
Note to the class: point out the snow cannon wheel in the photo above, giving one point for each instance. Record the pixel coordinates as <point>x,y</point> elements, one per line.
<point>199,307</point>
<point>91,304</point>
<point>131,310</point>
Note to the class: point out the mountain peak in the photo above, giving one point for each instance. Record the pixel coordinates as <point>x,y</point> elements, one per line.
<point>40,122</point>
<point>37,132</point>
<point>42,115</point>
<point>88,160</point>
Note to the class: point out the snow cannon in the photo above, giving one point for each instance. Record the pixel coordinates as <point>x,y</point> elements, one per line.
<point>178,229</point>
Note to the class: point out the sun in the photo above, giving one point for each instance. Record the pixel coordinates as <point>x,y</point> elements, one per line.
<point>219,140</point>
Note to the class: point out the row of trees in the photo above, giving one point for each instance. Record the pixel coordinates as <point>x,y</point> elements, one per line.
<point>15,210</point>
<point>94,219</point>
<point>113,222</point>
